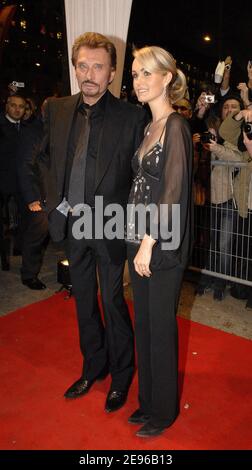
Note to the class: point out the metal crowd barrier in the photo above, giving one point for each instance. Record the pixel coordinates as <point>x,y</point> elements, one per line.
<point>222,238</point>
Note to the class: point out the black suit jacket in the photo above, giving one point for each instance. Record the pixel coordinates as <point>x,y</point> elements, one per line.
<point>9,138</point>
<point>121,135</point>
<point>29,178</point>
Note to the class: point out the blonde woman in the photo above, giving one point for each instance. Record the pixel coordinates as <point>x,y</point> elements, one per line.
<point>162,169</point>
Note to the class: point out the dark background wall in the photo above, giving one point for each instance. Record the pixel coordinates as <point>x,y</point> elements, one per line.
<point>181,30</point>
<point>35,50</point>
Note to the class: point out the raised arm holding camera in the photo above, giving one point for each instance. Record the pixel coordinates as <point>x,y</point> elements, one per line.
<point>246,88</point>
<point>244,92</point>
<point>249,69</point>
<point>225,84</point>
<point>203,103</point>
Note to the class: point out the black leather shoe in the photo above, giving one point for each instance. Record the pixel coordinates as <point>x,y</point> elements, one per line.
<point>34,284</point>
<point>115,400</point>
<point>82,386</point>
<point>79,388</point>
<point>138,417</point>
<point>149,430</point>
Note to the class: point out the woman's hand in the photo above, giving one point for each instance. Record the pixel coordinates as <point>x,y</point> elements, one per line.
<point>143,256</point>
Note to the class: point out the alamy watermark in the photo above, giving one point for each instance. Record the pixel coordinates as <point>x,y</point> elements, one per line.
<point>113,221</point>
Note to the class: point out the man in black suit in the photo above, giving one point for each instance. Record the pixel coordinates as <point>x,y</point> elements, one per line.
<point>34,221</point>
<point>10,126</point>
<point>90,140</point>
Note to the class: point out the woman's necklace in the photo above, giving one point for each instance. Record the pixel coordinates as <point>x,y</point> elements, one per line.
<point>153,123</point>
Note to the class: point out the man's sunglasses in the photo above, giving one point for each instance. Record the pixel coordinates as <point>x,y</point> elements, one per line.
<point>182,108</point>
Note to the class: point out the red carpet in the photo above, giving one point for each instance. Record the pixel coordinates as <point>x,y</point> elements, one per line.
<point>40,358</point>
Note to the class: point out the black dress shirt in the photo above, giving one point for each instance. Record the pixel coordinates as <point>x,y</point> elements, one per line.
<point>96,124</point>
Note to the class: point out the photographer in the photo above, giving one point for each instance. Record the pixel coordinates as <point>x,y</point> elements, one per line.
<point>223,210</point>
<point>225,84</point>
<point>201,185</point>
<point>204,107</point>
<point>198,125</point>
<point>204,103</point>
<point>222,207</point>
<point>232,129</point>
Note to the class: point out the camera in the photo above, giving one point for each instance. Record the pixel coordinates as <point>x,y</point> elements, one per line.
<point>18,84</point>
<point>206,137</point>
<point>247,127</point>
<point>209,98</point>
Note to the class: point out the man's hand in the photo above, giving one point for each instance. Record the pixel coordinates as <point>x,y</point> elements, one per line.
<point>35,206</point>
<point>245,114</point>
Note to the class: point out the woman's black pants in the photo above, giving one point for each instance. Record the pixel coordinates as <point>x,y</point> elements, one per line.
<point>155,303</point>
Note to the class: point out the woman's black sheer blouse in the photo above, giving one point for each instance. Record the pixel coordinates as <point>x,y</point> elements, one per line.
<point>164,176</point>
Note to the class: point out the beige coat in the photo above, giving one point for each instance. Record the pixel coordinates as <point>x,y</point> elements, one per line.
<point>222,175</point>
<point>230,130</point>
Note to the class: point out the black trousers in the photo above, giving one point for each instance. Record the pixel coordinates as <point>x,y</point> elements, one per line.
<point>155,301</point>
<point>4,239</point>
<point>34,236</point>
<point>9,225</point>
<point>113,345</point>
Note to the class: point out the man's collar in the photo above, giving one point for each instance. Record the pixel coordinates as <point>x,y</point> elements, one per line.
<point>99,106</point>
<point>11,120</point>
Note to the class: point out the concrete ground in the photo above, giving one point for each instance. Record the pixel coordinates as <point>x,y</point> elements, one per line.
<point>229,315</point>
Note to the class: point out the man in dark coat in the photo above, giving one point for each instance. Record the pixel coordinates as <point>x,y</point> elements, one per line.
<point>34,220</point>
<point>10,126</point>
<point>90,140</point>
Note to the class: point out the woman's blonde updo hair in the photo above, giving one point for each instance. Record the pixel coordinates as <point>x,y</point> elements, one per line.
<point>156,59</point>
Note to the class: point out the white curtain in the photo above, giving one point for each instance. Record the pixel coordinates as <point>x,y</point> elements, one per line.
<point>108,17</point>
